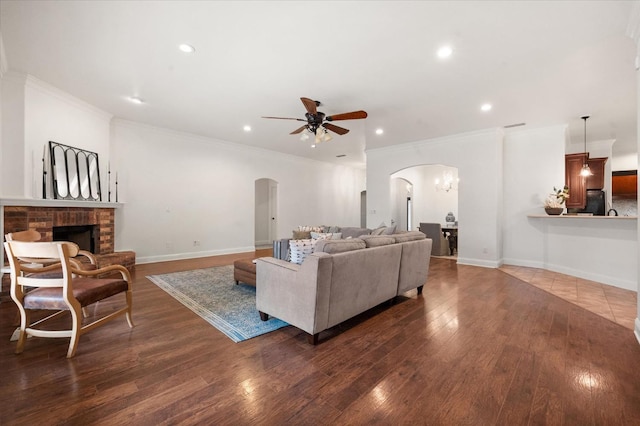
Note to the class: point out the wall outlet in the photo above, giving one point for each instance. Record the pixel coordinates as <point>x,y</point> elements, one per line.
<point>196,243</point>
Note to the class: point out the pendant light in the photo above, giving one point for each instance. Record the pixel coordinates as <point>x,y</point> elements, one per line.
<point>586,171</point>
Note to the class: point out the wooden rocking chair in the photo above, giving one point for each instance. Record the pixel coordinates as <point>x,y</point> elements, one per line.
<point>71,292</point>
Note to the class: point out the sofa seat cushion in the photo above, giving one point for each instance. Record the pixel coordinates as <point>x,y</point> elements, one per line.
<point>339,246</point>
<point>409,236</point>
<point>377,240</point>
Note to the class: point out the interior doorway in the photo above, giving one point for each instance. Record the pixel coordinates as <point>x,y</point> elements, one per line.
<point>433,193</point>
<point>402,204</point>
<point>266,212</point>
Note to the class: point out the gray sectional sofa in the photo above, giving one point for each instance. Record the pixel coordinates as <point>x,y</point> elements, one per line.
<point>341,279</point>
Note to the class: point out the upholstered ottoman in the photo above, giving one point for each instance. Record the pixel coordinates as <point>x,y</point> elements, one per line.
<point>244,270</point>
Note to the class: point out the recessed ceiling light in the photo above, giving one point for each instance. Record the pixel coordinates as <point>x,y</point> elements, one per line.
<point>379,131</point>
<point>187,48</point>
<point>445,52</point>
<point>136,100</point>
<point>247,128</point>
<point>486,107</point>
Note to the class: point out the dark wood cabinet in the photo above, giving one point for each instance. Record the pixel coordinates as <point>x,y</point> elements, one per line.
<point>596,180</point>
<point>577,184</point>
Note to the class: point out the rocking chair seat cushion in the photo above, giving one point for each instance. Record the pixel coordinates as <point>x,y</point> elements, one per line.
<point>86,290</point>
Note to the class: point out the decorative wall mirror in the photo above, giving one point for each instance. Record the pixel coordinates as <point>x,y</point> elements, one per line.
<point>75,173</point>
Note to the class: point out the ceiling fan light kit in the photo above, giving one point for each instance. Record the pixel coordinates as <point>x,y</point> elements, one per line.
<point>318,123</point>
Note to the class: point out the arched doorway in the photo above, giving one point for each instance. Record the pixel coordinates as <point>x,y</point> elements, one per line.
<point>426,193</point>
<point>266,212</point>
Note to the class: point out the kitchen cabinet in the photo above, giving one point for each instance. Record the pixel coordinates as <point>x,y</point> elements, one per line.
<point>577,184</point>
<point>596,180</point>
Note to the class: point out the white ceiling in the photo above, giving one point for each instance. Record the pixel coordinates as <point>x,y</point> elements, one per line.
<point>540,62</point>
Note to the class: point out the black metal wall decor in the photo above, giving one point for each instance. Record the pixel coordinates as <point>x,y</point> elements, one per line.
<point>75,173</point>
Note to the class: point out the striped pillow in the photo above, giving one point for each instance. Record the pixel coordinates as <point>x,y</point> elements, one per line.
<point>300,249</point>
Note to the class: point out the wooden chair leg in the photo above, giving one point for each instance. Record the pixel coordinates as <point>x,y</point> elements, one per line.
<point>76,325</point>
<point>420,289</point>
<point>263,316</point>
<point>22,338</point>
<point>128,313</point>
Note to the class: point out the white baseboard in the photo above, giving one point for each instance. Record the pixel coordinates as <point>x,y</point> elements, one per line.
<point>192,255</point>
<point>479,262</point>
<point>637,330</point>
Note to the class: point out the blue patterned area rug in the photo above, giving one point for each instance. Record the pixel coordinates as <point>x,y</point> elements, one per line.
<point>213,294</point>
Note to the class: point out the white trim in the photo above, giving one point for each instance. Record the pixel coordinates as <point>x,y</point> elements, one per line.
<point>4,65</point>
<point>637,329</point>
<point>234,146</point>
<point>193,255</point>
<point>478,262</point>
<point>48,89</point>
<point>38,202</point>
<point>527,263</point>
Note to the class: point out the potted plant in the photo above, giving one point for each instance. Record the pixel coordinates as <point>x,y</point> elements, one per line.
<point>554,204</point>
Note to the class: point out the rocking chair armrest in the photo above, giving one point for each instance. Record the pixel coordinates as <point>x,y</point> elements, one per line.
<point>88,255</point>
<point>111,268</point>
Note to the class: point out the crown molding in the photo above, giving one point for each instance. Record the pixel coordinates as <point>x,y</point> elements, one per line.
<point>35,83</point>
<point>209,141</point>
<point>410,146</point>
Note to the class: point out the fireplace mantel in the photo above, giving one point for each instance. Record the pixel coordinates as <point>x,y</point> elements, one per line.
<point>38,202</point>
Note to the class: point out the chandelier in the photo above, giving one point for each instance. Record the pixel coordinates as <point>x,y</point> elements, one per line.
<point>447,183</point>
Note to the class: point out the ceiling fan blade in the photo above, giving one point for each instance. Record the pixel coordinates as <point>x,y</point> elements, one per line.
<point>299,130</point>
<point>285,118</point>
<point>336,129</point>
<point>354,115</point>
<point>310,105</point>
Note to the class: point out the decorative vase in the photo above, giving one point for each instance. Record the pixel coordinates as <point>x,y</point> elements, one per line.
<point>450,217</point>
<point>554,211</point>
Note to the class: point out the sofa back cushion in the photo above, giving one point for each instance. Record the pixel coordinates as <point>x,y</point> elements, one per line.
<point>339,246</point>
<point>409,236</point>
<point>377,240</point>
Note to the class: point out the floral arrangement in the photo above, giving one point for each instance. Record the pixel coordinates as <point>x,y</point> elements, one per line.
<point>557,198</point>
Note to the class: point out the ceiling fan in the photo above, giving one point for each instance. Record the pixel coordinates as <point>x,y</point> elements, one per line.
<point>318,123</point>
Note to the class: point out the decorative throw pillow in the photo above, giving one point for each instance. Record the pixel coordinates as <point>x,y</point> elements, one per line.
<point>320,235</point>
<point>301,235</point>
<point>310,228</point>
<point>378,231</point>
<point>390,230</point>
<point>300,249</point>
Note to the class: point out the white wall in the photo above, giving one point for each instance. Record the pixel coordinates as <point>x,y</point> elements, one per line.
<point>35,113</point>
<point>178,188</point>
<point>478,158</point>
<point>12,167</point>
<point>533,166</point>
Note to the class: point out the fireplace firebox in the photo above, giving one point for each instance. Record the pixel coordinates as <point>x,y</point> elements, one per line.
<point>82,235</point>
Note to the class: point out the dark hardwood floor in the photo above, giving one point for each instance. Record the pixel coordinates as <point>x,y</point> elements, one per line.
<point>478,347</point>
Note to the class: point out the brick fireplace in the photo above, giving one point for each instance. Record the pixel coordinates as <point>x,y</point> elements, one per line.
<point>44,219</point>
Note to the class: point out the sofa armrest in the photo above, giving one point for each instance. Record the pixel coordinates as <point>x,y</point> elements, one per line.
<point>296,294</point>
